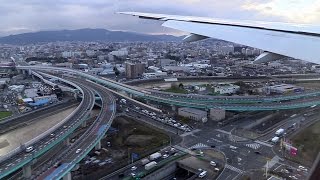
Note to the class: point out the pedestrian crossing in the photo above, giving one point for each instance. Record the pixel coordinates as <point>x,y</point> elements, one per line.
<point>232,168</point>
<point>199,146</point>
<point>253,145</point>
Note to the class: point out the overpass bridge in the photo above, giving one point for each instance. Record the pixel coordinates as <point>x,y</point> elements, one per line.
<point>19,158</point>
<point>234,105</point>
<point>92,136</point>
<point>87,141</point>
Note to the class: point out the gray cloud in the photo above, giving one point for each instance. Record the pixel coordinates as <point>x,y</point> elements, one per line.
<point>33,15</point>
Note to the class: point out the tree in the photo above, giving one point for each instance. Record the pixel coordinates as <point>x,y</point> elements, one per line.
<point>116,71</point>
<point>181,86</point>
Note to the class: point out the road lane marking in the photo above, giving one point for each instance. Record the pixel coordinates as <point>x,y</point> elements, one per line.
<point>263,143</point>
<point>232,168</point>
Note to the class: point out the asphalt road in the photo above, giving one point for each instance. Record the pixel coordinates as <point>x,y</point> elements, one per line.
<point>40,146</point>
<point>77,150</point>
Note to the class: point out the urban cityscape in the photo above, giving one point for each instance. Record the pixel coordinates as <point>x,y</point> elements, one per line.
<point>155,107</point>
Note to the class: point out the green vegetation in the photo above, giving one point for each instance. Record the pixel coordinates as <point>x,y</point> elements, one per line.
<point>5,114</point>
<point>307,142</point>
<point>184,120</point>
<point>176,90</point>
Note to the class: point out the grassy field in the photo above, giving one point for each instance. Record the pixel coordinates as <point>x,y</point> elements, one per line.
<point>176,90</point>
<point>307,141</point>
<point>4,114</point>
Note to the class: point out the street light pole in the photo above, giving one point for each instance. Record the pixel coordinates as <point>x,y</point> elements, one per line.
<point>267,169</point>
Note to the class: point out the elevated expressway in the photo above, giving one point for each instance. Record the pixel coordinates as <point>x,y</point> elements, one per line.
<point>69,158</point>
<point>236,103</point>
<point>90,139</point>
<point>19,158</point>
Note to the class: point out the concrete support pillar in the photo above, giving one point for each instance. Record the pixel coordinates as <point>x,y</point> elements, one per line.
<point>29,72</point>
<point>27,171</point>
<point>75,96</point>
<point>76,167</point>
<point>67,141</point>
<point>130,95</point>
<point>23,71</point>
<point>174,108</point>
<point>84,124</point>
<point>98,146</point>
<point>67,176</point>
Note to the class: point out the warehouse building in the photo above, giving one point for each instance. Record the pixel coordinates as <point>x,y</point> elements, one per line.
<point>217,114</point>
<point>283,89</point>
<point>194,114</point>
<point>222,88</point>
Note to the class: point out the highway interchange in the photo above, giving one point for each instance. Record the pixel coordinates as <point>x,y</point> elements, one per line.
<point>205,138</point>
<point>21,157</point>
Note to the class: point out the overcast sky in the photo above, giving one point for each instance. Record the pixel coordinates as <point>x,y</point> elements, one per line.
<point>18,16</point>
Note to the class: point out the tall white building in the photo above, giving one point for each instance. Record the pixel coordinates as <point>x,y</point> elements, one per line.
<point>226,49</point>
<point>67,54</point>
<point>121,52</point>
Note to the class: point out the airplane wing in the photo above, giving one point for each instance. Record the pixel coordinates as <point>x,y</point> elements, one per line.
<point>300,41</point>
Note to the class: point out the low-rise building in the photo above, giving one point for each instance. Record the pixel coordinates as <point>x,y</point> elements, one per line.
<point>217,114</point>
<point>226,88</point>
<point>154,74</point>
<point>194,114</point>
<point>283,89</point>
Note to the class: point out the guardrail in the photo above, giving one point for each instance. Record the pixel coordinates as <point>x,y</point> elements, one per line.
<point>55,127</point>
<point>31,156</point>
<point>46,133</point>
<point>145,95</point>
<point>70,165</point>
<point>42,79</point>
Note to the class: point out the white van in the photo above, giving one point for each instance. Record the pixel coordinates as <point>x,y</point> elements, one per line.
<point>202,174</point>
<point>275,139</point>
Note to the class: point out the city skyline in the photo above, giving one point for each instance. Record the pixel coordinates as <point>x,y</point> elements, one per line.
<point>20,16</point>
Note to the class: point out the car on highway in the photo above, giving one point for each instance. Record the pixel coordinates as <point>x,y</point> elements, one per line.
<point>133,175</point>
<point>233,147</point>
<point>29,149</point>
<point>303,168</point>
<point>57,164</point>
<point>78,151</point>
<point>202,174</point>
<point>52,135</point>
<point>212,163</point>
<point>133,168</point>
<point>165,156</point>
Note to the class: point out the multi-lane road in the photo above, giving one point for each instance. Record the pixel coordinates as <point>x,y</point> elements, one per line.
<point>92,135</point>
<point>66,160</point>
<point>43,144</point>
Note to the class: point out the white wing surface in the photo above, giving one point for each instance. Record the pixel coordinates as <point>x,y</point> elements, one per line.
<point>300,41</point>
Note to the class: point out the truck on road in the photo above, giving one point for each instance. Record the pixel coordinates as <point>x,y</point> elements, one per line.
<point>279,132</point>
<point>155,156</point>
<point>145,161</point>
<point>150,165</point>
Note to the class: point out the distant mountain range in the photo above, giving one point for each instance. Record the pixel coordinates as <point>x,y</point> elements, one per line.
<point>83,35</point>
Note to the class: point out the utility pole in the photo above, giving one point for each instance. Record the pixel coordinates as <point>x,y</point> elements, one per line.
<point>267,169</point>
<point>128,156</point>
